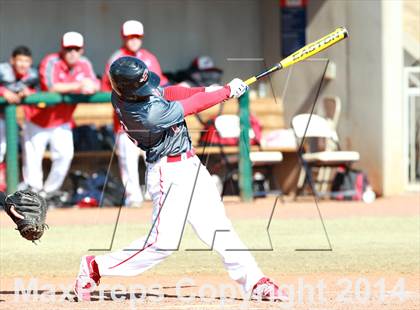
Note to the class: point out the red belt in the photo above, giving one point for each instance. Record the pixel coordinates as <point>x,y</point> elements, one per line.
<point>182,156</point>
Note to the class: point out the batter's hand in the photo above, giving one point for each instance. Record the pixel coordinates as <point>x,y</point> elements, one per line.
<point>87,87</point>
<point>237,88</point>
<point>11,97</point>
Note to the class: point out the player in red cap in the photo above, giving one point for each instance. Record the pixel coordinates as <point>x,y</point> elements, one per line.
<point>132,33</point>
<point>64,72</point>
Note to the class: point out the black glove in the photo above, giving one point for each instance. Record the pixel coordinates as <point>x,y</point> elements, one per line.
<point>28,210</point>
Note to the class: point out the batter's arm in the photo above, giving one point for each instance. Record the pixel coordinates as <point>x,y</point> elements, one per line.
<point>202,100</point>
<point>172,93</point>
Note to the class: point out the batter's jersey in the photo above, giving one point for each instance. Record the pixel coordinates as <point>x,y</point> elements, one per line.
<point>53,69</point>
<point>144,55</point>
<point>157,126</point>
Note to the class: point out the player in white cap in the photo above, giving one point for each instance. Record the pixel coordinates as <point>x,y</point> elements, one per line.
<point>64,72</point>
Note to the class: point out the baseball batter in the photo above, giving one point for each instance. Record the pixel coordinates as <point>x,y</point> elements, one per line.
<point>180,186</point>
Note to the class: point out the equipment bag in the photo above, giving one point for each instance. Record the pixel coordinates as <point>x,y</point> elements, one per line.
<point>349,184</point>
<point>210,136</point>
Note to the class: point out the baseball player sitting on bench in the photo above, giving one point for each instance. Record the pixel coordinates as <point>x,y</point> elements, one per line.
<point>180,186</point>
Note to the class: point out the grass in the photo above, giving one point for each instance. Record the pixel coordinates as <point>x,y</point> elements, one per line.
<point>360,245</point>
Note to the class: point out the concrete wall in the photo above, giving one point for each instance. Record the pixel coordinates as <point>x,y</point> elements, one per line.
<point>368,81</point>
<point>175,30</point>
<point>392,100</point>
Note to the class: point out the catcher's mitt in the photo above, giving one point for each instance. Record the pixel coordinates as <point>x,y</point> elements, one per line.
<point>28,210</point>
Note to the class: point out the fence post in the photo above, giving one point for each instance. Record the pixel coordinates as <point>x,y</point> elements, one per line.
<point>12,137</point>
<point>245,167</point>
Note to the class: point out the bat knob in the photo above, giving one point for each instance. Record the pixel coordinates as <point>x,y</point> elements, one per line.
<point>344,31</point>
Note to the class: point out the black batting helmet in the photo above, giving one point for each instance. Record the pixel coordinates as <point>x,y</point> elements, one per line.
<point>131,79</point>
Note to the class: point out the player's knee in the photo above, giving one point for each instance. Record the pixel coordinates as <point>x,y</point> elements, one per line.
<point>65,158</point>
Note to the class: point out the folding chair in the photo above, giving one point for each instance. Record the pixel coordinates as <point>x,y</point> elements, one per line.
<point>228,126</point>
<point>330,109</point>
<point>321,149</point>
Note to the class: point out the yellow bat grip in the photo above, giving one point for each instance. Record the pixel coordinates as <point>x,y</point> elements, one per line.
<point>251,80</point>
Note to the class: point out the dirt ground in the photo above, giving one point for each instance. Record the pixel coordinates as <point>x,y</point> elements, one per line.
<point>368,290</point>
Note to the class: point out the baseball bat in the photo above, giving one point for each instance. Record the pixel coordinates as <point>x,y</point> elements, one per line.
<point>303,53</point>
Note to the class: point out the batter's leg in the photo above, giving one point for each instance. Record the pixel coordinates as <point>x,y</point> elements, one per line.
<point>207,215</point>
<point>62,150</point>
<point>35,140</point>
<point>169,213</point>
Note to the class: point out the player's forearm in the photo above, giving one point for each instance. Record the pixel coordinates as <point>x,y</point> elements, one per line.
<point>203,101</point>
<point>65,87</point>
<point>172,93</point>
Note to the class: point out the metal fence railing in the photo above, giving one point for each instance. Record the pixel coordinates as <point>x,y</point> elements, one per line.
<point>45,99</point>
<point>41,99</point>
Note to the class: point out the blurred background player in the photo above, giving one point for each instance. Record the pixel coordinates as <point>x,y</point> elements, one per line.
<point>17,80</point>
<point>201,72</point>
<point>64,72</point>
<point>132,33</point>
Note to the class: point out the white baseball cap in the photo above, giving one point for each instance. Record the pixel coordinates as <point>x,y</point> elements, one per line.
<point>71,39</point>
<point>132,28</point>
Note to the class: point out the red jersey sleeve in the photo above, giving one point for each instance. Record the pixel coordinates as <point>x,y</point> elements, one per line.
<point>88,71</point>
<point>202,101</point>
<point>105,83</point>
<point>2,89</point>
<point>171,93</point>
<point>48,73</point>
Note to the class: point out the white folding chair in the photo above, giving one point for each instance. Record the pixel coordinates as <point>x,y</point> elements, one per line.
<point>330,109</point>
<point>306,126</point>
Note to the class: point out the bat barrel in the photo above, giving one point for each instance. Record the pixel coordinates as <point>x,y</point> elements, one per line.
<point>309,50</point>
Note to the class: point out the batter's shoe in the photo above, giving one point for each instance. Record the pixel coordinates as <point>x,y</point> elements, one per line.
<point>267,290</point>
<point>87,279</point>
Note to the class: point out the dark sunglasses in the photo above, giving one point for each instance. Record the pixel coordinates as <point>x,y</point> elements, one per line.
<point>72,48</point>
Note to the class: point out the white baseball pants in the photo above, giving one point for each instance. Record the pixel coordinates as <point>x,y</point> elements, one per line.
<point>35,141</point>
<point>179,197</point>
<point>128,160</point>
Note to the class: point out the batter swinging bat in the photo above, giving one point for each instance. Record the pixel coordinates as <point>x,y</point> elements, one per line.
<point>305,52</point>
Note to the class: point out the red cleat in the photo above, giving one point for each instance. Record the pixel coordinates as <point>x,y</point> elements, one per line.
<point>267,290</point>
<point>87,279</point>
